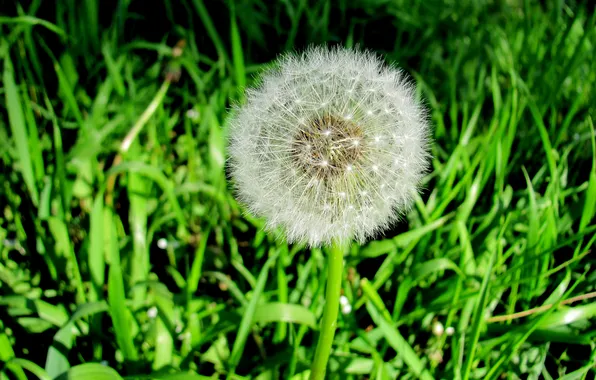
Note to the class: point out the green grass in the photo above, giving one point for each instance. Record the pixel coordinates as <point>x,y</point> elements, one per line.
<point>121,242</point>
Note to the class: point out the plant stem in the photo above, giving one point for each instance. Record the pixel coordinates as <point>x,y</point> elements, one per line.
<point>335,264</point>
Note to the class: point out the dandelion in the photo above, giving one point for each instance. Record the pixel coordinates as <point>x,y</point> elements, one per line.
<point>331,147</point>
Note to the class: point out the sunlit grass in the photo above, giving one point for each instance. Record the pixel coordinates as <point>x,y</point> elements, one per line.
<point>121,243</point>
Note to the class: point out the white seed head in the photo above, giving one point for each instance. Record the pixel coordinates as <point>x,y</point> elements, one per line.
<point>331,145</point>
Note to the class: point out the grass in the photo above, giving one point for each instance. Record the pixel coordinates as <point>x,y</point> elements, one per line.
<point>121,243</point>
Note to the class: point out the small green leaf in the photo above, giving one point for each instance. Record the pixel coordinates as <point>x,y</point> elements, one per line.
<point>90,371</point>
<point>569,315</point>
<point>285,312</point>
<point>435,265</point>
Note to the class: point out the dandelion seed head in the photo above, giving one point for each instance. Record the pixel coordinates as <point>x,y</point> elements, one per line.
<point>308,150</point>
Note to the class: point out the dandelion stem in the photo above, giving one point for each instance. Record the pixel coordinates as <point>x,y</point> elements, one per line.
<point>330,312</point>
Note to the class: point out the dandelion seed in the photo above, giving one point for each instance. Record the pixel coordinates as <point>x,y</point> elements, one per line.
<point>438,328</point>
<point>346,309</point>
<point>162,243</point>
<point>193,114</point>
<point>303,163</point>
<point>152,312</point>
<point>343,300</point>
<point>185,336</point>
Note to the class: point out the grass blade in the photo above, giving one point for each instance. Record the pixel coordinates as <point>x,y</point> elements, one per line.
<point>249,315</point>
<point>285,312</point>
<point>90,371</point>
<point>18,128</point>
<point>237,54</point>
<point>380,315</point>
<point>478,316</point>
<point>121,317</point>
<point>31,367</point>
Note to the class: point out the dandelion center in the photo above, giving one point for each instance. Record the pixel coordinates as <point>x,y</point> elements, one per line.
<point>327,147</point>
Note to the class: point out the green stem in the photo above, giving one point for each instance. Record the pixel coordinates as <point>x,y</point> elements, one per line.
<point>335,264</point>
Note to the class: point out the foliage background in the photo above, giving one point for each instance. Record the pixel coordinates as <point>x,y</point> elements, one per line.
<point>121,243</point>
